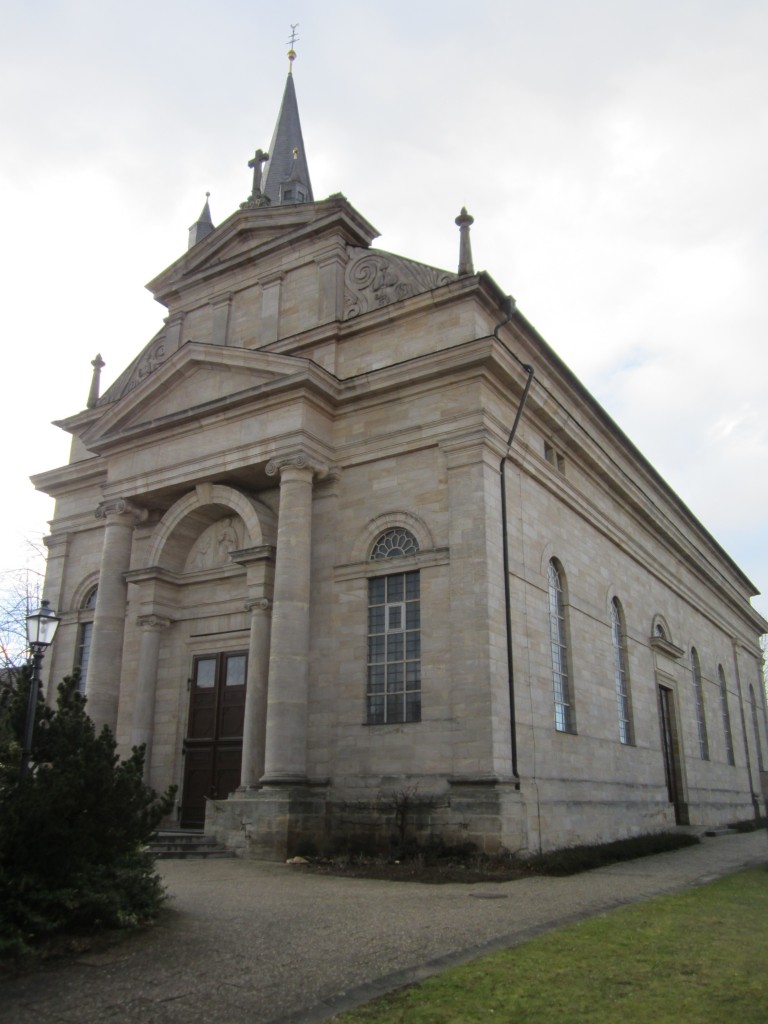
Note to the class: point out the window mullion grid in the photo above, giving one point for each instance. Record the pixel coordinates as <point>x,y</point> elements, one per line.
<point>394,655</point>
<point>561,687</point>
<point>621,675</point>
<point>726,720</point>
<point>698,696</point>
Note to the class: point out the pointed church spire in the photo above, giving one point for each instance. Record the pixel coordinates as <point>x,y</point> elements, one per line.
<point>203,225</point>
<point>287,175</point>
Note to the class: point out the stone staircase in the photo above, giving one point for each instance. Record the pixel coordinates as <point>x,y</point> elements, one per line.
<point>181,844</point>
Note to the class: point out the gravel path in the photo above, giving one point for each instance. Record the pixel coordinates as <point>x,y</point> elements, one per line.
<point>248,942</point>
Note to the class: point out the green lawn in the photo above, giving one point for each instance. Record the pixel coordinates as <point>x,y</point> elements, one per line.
<point>700,957</point>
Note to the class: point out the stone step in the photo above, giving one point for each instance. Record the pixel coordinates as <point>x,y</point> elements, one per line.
<point>180,844</point>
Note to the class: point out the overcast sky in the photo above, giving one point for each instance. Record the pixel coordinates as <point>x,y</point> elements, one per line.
<point>614,156</point>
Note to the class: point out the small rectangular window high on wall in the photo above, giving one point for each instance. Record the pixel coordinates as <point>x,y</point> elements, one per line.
<point>394,649</point>
<point>554,457</point>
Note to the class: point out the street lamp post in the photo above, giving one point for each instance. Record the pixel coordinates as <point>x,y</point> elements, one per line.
<point>41,629</point>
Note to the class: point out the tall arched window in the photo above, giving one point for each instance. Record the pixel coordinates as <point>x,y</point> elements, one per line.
<point>698,700</point>
<point>621,671</point>
<point>756,728</point>
<point>558,634</point>
<point>85,635</point>
<point>726,716</point>
<point>393,691</point>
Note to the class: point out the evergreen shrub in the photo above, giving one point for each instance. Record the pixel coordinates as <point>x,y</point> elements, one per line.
<point>73,831</point>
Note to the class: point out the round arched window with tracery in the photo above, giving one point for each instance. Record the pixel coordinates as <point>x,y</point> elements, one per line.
<point>395,543</point>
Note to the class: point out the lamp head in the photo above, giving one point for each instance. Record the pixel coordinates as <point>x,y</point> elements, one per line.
<point>41,627</point>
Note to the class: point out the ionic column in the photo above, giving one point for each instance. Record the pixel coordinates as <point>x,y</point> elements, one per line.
<point>286,740</point>
<point>151,627</point>
<point>103,681</point>
<point>255,725</point>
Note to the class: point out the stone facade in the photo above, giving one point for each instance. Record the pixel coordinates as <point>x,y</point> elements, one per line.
<point>308,396</point>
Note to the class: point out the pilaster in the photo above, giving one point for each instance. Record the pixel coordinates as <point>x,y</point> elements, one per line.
<point>271,289</point>
<point>220,309</point>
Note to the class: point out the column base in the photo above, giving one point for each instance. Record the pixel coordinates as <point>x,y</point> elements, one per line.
<point>283,780</point>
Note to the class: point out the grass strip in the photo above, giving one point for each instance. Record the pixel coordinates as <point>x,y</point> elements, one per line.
<point>694,958</point>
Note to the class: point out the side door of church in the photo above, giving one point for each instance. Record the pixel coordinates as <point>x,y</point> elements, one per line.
<point>213,746</point>
<point>670,748</point>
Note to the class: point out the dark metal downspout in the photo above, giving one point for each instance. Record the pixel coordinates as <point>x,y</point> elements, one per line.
<point>505,548</point>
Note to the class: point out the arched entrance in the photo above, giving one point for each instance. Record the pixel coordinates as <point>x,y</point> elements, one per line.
<point>212,555</point>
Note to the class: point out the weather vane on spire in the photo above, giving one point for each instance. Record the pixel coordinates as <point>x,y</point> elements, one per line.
<point>291,42</point>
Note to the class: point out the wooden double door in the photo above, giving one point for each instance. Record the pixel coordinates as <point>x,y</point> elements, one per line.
<point>213,746</point>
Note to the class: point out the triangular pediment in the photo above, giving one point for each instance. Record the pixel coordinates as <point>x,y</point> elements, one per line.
<point>197,379</point>
<point>252,233</point>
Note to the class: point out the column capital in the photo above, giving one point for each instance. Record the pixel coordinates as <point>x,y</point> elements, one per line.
<point>121,507</point>
<point>153,622</point>
<point>258,604</point>
<point>296,460</point>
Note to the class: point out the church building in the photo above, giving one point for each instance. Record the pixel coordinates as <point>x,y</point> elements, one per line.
<point>351,550</point>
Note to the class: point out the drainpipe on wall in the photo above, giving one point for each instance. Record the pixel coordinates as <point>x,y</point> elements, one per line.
<point>509,308</point>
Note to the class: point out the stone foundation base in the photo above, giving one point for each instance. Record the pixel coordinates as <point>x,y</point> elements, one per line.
<point>270,823</point>
<point>279,821</point>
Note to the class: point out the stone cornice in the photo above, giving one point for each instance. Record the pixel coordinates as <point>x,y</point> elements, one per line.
<point>156,574</point>
<point>664,646</point>
<point>153,573</point>
<point>247,556</point>
<point>75,476</point>
<point>386,566</point>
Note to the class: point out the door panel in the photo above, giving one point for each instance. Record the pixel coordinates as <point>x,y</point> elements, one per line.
<point>671,753</point>
<point>198,767</point>
<point>214,743</point>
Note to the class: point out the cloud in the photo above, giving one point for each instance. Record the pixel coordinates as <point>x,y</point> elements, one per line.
<point>613,156</point>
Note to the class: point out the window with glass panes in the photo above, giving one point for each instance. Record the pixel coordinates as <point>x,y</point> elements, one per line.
<point>621,672</point>
<point>564,721</point>
<point>698,697</point>
<point>394,649</point>
<point>726,716</point>
<point>85,636</point>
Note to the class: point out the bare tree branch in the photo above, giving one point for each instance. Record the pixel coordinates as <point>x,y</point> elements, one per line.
<point>20,591</point>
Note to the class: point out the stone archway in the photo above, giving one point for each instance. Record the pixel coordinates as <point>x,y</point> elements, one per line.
<point>209,562</point>
<point>185,521</point>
